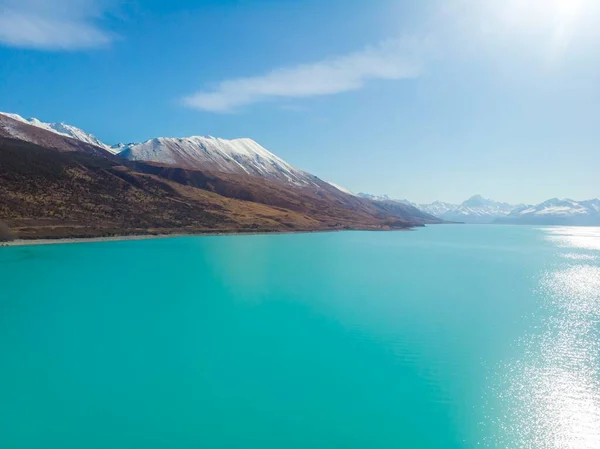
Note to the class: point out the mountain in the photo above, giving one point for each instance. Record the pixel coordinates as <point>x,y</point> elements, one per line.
<point>45,193</point>
<point>13,128</point>
<point>62,129</point>
<point>242,156</point>
<point>564,212</point>
<point>438,208</point>
<point>474,210</point>
<point>245,157</point>
<point>54,185</point>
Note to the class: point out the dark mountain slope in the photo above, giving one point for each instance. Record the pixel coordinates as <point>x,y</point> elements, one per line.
<point>45,193</point>
<point>320,200</point>
<point>52,184</point>
<point>49,193</point>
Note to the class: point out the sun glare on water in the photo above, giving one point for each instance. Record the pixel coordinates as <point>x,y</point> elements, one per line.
<point>552,393</point>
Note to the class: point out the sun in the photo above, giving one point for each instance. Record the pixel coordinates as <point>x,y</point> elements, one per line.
<point>568,9</point>
<point>556,21</point>
<point>542,12</point>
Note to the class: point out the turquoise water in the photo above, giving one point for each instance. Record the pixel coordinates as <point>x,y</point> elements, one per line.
<point>445,337</point>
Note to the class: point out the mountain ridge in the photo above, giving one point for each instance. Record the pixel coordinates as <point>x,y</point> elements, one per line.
<point>556,211</point>
<point>54,185</point>
<point>476,209</point>
<point>240,155</point>
<point>63,129</point>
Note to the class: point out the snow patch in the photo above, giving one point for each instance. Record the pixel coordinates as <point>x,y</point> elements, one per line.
<point>62,129</point>
<point>340,188</point>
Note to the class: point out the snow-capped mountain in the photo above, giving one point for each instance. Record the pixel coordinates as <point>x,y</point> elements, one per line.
<point>474,210</point>
<point>557,212</point>
<point>438,208</point>
<point>22,130</point>
<point>30,150</point>
<point>242,156</point>
<point>62,129</point>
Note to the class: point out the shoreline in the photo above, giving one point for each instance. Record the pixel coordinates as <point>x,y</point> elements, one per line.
<point>118,238</point>
<point>67,240</point>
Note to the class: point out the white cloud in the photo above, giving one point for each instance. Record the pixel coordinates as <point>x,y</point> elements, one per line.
<point>389,60</point>
<point>52,25</point>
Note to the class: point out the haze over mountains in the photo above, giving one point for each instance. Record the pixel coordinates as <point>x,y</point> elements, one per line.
<point>474,210</point>
<point>556,212</point>
<point>59,181</point>
<point>479,210</point>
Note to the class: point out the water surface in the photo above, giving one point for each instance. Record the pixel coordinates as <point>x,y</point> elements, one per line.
<point>445,337</point>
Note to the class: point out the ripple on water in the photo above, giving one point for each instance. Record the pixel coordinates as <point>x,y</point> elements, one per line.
<point>552,394</point>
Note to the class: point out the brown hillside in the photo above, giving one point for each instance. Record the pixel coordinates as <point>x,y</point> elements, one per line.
<point>47,193</point>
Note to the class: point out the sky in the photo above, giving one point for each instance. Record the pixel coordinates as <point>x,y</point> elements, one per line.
<point>425,99</point>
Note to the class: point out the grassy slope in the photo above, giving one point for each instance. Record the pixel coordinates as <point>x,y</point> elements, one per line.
<point>45,193</point>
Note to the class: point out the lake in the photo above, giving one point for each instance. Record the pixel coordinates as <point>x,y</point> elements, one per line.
<point>451,336</point>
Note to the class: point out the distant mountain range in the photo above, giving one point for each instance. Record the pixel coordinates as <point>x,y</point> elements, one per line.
<point>474,210</point>
<point>481,210</point>
<point>555,211</point>
<point>56,180</point>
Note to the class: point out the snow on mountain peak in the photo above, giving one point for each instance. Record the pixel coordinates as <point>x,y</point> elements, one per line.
<point>61,128</point>
<point>242,155</point>
<point>558,207</point>
<point>556,211</point>
<point>341,189</point>
<point>476,209</point>
<point>476,201</point>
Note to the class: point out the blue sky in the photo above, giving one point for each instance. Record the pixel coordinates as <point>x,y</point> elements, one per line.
<point>423,100</point>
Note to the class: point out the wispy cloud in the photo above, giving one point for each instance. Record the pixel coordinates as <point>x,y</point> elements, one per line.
<point>53,25</point>
<point>388,60</point>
